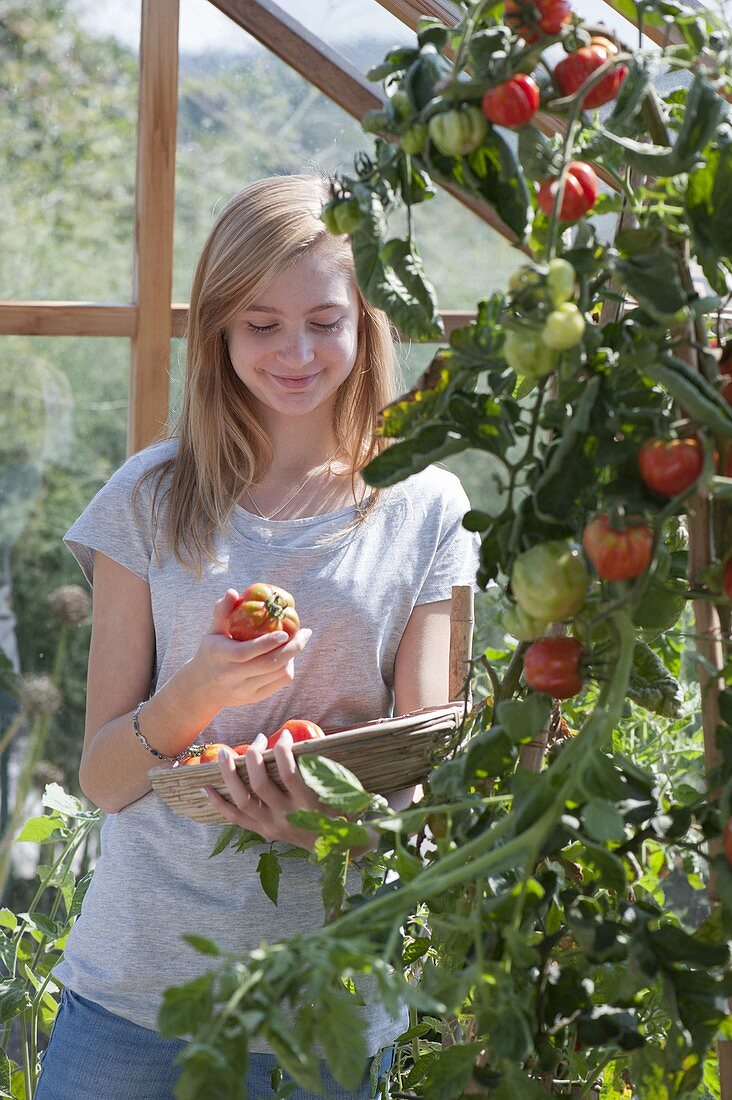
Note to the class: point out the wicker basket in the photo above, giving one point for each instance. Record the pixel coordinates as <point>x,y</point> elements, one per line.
<point>386,755</point>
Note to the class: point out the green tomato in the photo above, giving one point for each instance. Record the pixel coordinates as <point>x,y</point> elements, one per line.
<point>527,354</point>
<point>348,216</point>
<point>564,327</point>
<point>458,131</point>
<point>659,609</point>
<point>523,627</point>
<point>560,280</point>
<point>414,139</point>
<point>402,104</point>
<point>550,581</point>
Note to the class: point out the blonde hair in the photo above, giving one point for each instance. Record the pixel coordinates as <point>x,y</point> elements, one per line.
<point>223,449</point>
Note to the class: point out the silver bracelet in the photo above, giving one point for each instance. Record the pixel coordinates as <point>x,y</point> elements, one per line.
<point>145,743</point>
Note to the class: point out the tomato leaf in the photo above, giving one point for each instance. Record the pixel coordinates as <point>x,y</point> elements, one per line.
<point>523,719</point>
<point>14,998</point>
<point>341,1032</point>
<point>334,784</point>
<point>391,276</point>
<point>651,684</point>
<point>184,1006</point>
<point>269,870</point>
<point>603,820</point>
<point>709,210</point>
<point>492,173</point>
<point>430,444</point>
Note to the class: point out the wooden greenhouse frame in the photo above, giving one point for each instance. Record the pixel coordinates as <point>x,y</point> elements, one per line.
<point>150,321</point>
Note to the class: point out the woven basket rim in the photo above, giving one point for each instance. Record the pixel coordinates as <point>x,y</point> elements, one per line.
<point>368,731</point>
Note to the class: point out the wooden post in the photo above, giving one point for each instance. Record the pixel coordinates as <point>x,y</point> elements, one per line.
<point>154,210</point>
<point>462,620</point>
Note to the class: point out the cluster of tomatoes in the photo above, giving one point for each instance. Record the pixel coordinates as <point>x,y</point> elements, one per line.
<point>514,102</point>
<point>260,609</point>
<point>551,581</point>
<point>543,319</point>
<point>301,729</point>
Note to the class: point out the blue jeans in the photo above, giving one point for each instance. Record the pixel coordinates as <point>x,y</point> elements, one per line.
<point>95,1055</point>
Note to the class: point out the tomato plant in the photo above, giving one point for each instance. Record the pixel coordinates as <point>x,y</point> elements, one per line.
<point>512,103</point>
<point>301,729</point>
<point>619,550</point>
<point>670,466</point>
<point>537,902</point>
<point>580,192</point>
<point>552,666</point>
<point>263,609</point>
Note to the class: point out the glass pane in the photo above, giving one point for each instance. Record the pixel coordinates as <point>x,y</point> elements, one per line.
<point>63,412</point>
<point>243,117</point>
<point>67,156</point>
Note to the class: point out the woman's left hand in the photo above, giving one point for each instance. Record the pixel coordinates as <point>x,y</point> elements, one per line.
<point>265,809</point>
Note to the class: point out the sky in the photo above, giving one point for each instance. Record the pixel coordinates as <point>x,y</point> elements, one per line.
<point>203,27</point>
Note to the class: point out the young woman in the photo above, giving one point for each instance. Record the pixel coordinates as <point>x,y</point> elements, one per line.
<point>287,367</point>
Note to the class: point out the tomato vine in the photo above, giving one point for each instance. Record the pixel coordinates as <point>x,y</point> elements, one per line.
<point>526,930</point>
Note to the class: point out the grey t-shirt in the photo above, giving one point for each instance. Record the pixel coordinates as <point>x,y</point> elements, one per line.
<point>154,881</point>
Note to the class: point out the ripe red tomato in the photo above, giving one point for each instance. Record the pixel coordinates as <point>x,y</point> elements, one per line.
<point>580,192</point>
<point>262,609</point>
<point>669,466</point>
<point>552,666</point>
<point>301,730</point>
<point>727,840</point>
<point>618,555</point>
<point>512,103</point>
<point>240,749</point>
<point>543,17</point>
<point>571,73</point>
<point>727,580</point>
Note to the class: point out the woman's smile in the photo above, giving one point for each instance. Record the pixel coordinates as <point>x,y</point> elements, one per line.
<point>298,383</point>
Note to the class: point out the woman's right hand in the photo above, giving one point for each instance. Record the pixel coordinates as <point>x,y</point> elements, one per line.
<point>233,674</point>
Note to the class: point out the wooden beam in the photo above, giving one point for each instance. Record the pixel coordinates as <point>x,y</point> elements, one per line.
<point>410,11</point>
<point>154,212</point>
<point>67,319</point>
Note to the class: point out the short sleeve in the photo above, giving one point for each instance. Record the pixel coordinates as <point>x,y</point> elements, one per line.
<point>117,523</point>
<point>456,556</point>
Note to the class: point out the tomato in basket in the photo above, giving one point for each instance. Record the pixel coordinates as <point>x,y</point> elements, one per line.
<point>263,609</point>
<point>301,730</point>
<point>206,754</point>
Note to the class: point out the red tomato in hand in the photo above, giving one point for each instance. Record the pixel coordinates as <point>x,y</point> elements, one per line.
<point>543,17</point>
<point>552,666</point>
<point>512,103</point>
<point>263,609</point>
<point>301,730</point>
<point>669,466</point>
<point>618,555</point>
<point>240,749</point>
<point>580,192</point>
<point>571,73</point>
